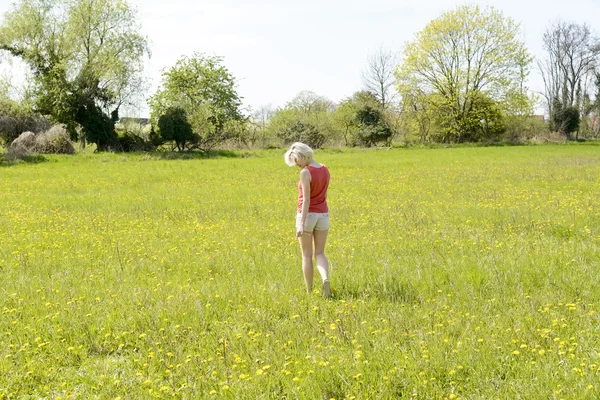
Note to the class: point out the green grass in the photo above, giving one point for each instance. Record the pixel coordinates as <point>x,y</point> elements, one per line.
<point>465,273</point>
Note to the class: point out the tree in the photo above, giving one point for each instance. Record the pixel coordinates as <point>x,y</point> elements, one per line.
<point>344,120</point>
<point>309,102</point>
<point>206,91</point>
<point>308,113</point>
<point>460,58</point>
<point>302,132</point>
<point>175,127</point>
<point>417,113</point>
<point>255,132</point>
<point>565,119</point>
<point>84,55</point>
<point>568,69</point>
<point>263,115</point>
<point>360,120</point>
<point>378,77</point>
<point>373,129</point>
<point>569,66</point>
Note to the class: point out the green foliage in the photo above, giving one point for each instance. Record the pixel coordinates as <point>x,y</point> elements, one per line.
<point>154,137</point>
<point>84,55</point>
<point>372,128</point>
<point>98,127</point>
<point>418,116</point>
<point>565,119</point>
<point>204,88</point>
<point>523,129</point>
<point>130,142</point>
<point>134,135</point>
<point>483,122</point>
<point>305,110</point>
<point>344,117</point>
<point>16,118</point>
<point>174,126</point>
<point>302,132</point>
<point>465,66</point>
<point>344,121</point>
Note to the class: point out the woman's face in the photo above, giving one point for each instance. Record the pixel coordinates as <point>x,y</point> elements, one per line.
<point>301,163</point>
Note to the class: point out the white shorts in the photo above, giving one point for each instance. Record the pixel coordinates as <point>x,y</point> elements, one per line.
<point>314,221</point>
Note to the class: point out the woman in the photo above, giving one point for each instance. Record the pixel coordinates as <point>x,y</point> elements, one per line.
<point>312,218</point>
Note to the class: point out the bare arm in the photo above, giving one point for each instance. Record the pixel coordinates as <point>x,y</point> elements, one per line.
<point>305,180</point>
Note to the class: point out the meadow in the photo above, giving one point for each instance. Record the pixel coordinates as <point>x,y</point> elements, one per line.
<point>463,273</point>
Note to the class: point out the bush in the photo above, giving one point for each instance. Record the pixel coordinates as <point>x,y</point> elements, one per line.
<point>54,141</point>
<point>22,146</point>
<point>134,136</point>
<point>565,119</point>
<point>130,142</point>
<point>302,132</point>
<point>523,129</point>
<point>16,119</point>
<point>174,127</point>
<point>548,137</point>
<point>373,129</point>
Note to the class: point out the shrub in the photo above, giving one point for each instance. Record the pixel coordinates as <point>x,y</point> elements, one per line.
<point>131,142</point>
<point>302,132</point>
<point>565,119</point>
<point>373,129</point>
<point>16,119</point>
<point>174,126</point>
<point>22,146</point>
<point>54,141</point>
<point>522,129</point>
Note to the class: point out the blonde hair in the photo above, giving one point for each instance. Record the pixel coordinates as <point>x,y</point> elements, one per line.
<point>298,151</point>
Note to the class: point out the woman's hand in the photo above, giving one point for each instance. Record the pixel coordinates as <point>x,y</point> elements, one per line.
<point>299,231</point>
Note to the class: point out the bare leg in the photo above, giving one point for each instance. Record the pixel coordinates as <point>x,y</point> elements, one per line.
<point>320,238</point>
<point>307,263</point>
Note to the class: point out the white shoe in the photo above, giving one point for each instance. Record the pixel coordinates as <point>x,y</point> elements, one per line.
<point>326,289</point>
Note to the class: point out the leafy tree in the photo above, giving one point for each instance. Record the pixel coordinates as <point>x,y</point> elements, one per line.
<point>83,54</point>
<point>565,119</point>
<point>344,120</point>
<point>308,103</point>
<point>373,129</point>
<point>460,58</point>
<point>305,110</point>
<point>202,87</point>
<point>302,132</point>
<point>418,115</point>
<point>174,126</point>
<point>362,120</point>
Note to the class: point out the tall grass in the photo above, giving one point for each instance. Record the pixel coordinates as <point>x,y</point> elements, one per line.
<point>457,273</point>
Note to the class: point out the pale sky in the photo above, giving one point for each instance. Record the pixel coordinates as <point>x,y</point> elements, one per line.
<point>277,48</point>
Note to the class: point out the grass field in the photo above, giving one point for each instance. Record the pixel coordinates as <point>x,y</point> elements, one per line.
<point>469,273</point>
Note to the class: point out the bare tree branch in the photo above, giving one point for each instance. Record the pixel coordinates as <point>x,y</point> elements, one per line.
<point>378,76</point>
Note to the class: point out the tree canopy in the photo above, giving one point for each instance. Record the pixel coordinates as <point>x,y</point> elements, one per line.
<point>84,55</point>
<point>206,90</point>
<point>461,60</point>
